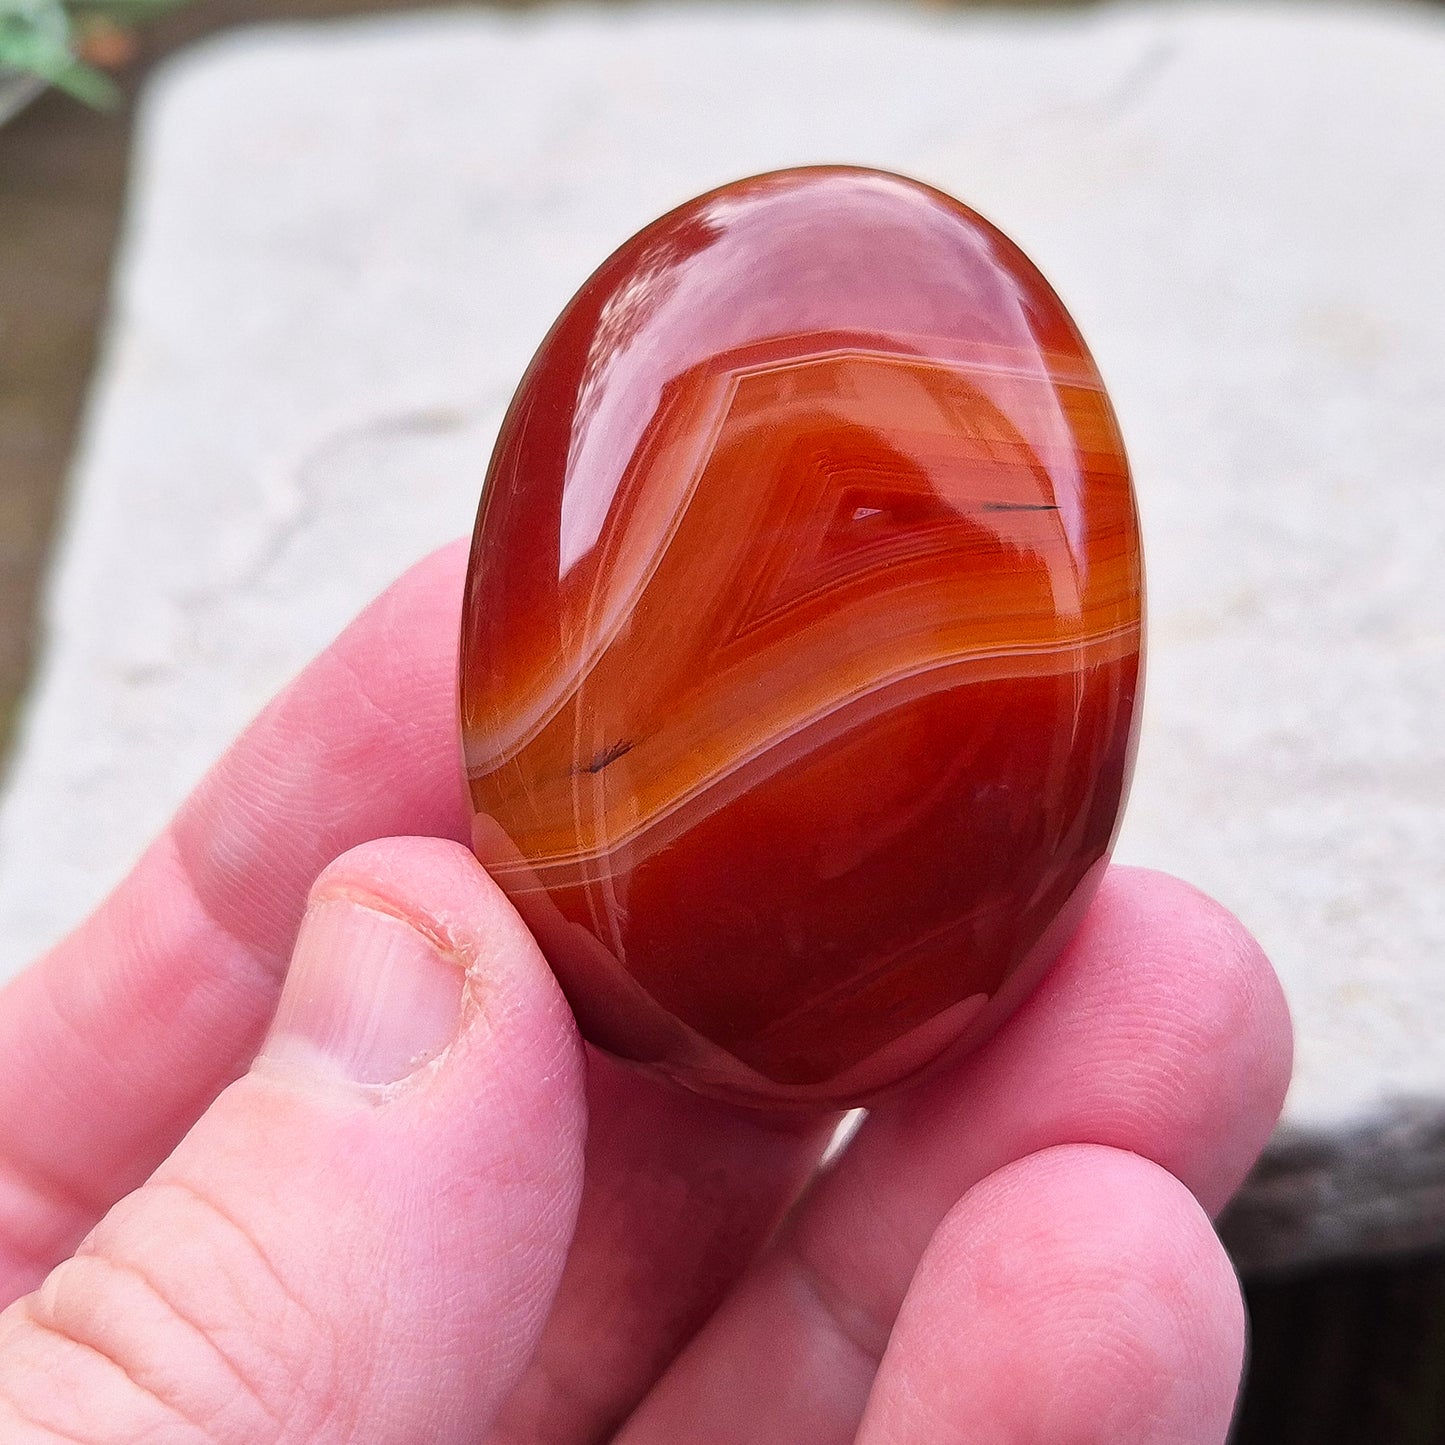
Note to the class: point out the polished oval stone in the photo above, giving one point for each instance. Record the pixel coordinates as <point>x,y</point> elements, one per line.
<point>801,646</point>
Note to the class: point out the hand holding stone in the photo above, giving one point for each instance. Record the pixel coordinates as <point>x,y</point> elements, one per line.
<point>388,1228</point>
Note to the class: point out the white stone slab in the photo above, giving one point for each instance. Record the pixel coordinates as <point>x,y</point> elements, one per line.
<point>345,241</point>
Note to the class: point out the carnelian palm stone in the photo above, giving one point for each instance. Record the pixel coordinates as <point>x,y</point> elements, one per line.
<point>801,647</point>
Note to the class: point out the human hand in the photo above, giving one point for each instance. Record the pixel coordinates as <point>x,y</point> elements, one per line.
<point>334,1243</point>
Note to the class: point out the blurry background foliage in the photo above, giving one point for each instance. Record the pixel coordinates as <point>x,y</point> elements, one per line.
<point>69,45</point>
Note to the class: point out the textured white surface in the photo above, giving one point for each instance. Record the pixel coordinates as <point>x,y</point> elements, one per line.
<point>345,242</point>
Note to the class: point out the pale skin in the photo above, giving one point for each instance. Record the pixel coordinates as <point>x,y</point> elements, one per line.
<point>516,1240</point>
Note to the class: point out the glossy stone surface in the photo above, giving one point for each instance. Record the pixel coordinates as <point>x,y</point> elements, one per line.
<point>801,645</point>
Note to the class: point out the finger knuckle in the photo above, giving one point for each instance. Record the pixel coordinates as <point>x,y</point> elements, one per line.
<point>842,1304</point>
<point>171,1316</point>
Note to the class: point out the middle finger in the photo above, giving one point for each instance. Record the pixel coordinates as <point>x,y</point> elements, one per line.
<point>1161,1031</point>
<point>679,1194</point>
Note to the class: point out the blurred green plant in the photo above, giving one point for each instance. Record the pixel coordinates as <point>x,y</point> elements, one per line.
<point>49,39</point>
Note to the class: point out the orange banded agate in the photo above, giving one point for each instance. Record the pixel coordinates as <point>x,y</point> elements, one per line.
<point>801,645</point>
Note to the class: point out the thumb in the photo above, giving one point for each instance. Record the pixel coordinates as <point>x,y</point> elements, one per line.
<point>360,1239</point>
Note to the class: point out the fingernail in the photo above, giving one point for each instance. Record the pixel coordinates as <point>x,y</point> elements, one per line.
<point>366,995</point>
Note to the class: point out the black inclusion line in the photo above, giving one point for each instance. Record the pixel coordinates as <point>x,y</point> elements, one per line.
<point>607,757</point>
<point>1018,507</point>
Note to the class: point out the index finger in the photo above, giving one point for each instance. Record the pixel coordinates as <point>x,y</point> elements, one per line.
<point>116,1041</point>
